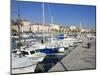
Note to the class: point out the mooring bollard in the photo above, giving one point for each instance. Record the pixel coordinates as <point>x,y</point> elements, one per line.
<point>88,45</point>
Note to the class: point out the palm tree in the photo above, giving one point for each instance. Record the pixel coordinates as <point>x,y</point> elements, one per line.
<point>12,22</point>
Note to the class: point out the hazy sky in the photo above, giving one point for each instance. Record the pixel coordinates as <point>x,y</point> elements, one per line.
<point>63,14</point>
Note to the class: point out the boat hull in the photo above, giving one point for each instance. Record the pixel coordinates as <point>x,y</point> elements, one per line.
<point>28,69</point>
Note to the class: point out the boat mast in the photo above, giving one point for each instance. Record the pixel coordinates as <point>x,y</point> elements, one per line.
<point>80,25</point>
<point>80,28</point>
<point>52,24</point>
<point>19,22</point>
<point>52,20</point>
<point>43,21</point>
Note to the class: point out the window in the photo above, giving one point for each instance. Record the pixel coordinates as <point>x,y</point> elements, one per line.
<point>32,52</point>
<point>37,51</point>
<point>25,53</point>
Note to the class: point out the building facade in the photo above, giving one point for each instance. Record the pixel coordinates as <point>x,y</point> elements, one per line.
<point>27,26</point>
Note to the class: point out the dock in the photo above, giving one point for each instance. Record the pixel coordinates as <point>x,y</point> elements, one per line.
<point>81,58</point>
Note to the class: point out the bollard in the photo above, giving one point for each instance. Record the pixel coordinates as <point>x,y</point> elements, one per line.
<point>88,45</point>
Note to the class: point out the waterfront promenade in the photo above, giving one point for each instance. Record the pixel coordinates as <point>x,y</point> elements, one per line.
<point>81,58</point>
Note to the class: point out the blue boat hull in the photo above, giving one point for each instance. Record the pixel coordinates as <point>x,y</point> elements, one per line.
<point>49,50</point>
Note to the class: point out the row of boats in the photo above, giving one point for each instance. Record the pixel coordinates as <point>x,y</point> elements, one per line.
<point>26,59</point>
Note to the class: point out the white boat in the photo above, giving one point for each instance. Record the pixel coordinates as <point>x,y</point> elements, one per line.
<point>24,35</point>
<point>52,46</point>
<point>22,65</point>
<point>26,40</point>
<point>38,45</point>
<point>71,40</point>
<point>15,37</point>
<point>68,40</point>
<point>27,63</point>
<point>32,52</point>
<point>31,56</point>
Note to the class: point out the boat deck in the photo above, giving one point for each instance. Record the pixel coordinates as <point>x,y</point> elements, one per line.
<point>22,62</point>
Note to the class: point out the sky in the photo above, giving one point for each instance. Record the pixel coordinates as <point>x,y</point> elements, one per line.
<point>63,14</point>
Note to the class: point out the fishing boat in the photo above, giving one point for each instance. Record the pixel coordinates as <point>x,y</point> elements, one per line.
<point>22,65</point>
<point>28,61</point>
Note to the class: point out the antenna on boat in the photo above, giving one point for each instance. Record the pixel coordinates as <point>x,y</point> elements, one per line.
<point>43,21</point>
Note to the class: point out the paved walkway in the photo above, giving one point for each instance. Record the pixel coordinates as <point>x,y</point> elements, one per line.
<point>79,59</point>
